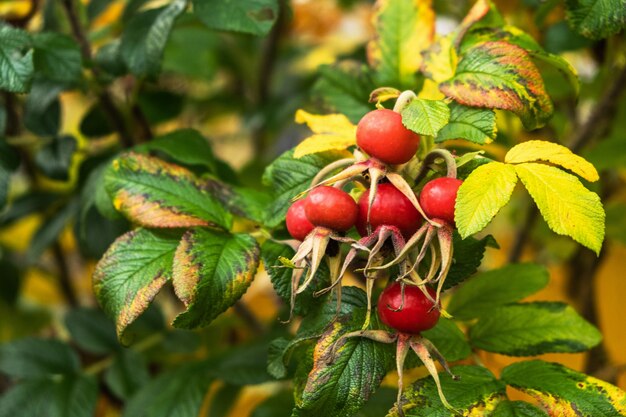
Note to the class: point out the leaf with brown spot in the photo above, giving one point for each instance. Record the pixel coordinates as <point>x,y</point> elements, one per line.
<point>212,270</point>
<point>131,273</point>
<point>500,75</point>
<point>155,193</point>
<point>565,392</point>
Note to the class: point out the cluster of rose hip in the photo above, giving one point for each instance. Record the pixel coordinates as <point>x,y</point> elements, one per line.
<point>417,226</point>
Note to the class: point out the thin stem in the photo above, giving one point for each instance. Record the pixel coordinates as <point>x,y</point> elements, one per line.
<point>65,277</point>
<point>106,101</point>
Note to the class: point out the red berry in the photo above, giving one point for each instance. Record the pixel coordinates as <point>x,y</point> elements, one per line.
<point>332,208</point>
<point>381,134</point>
<point>417,313</point>
<point>297,224</point>
<point>438,198</point>
<point>391,208</point>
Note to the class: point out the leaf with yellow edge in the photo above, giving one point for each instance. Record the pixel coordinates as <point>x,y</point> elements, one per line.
<point>403,29</point>
<point>564,392</point>
<point>566,205</point>
<point>485,191</point>
<point>539,150</point>
<point>440,60</point>
<point>331,132</point>
<point>383,94</point>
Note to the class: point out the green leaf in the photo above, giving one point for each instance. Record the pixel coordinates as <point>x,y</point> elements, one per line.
<point>160,106</point>
<point>91,330</point>
<point>485,191</point>
<point>616,222</point>
<point>175,393</point>
<point>476,392</point>
<point>9,161</point>
<point>342,387</point>
<point>596,19</point>
<point>109,58</point>
<point>278,405</point>
<point>42,109</point>
<point>287,177</point>
<point>449,340</point>
<point>127,374</point>
<point>243,365</point>
<point>425,117</point>
<point>608,153</point>
<point>345,88</point>
<point>534,328</point>
<point>195,63</point>
<point>212,270</point>
<point>467,256</point>
<point>54,159</point>
<point>186,146</point>
<point>482,294</point>
<point>74,396</point>
<point>16,59</point>
<point>132,272</point>
<point>50,230</point>
<point>255,17</point>
<point>57,57</point>
<point>145,36</point>
<point>32,358</point>
<point>566,205</point>
<point>475,125</point>
<point>565,391</point>
<point>404,28</point>
<point>517,409</point>
<point>281,277</point>
<point>500,75</point>
<point>155,193</point>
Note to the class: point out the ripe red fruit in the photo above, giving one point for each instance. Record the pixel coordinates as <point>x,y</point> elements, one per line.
<point>297,223</point>
<point>332,208</point>
<point>417,313</point>
<point>438,198</point>
<point>381,134</point>
<point>391,208</point>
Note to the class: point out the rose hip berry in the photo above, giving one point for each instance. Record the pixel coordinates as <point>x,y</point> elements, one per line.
<point>381,134</point>
<point>332,208</point>
<point>390,208</point>
<point>297,223</point>
<point>416,314</point>
<point>438,198</point>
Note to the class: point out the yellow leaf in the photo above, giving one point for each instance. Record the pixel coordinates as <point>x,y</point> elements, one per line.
<point>331,132</point>
<point>404,28</point>
<point>440,60</point>
<point>566,205</point>
<point>485,191</point>
<point>538,150</point>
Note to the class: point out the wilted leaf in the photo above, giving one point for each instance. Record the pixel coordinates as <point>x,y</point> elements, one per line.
<point>440,60</point>
<point>212,270</point>
<point>500,75</point>
<point>155,193</point>
<point>132,272</point>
